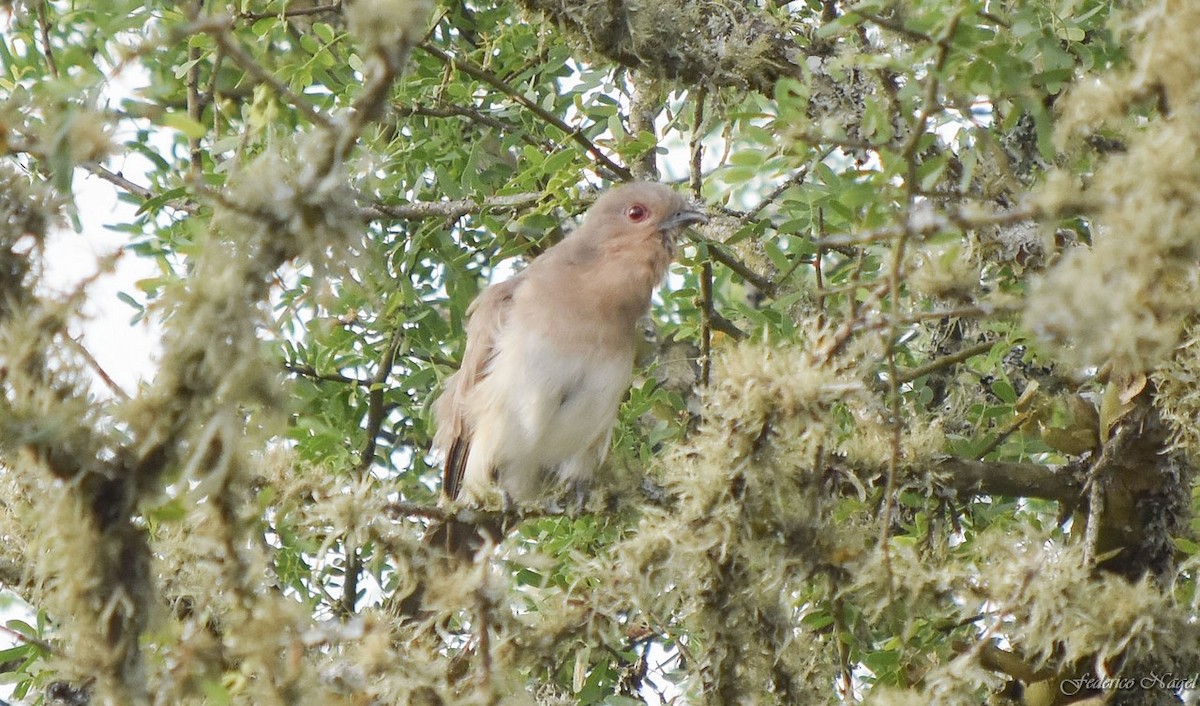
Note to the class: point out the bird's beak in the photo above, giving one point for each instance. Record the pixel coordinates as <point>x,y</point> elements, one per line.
<point>686,217</point>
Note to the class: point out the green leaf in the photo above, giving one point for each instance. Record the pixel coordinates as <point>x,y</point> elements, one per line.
<point>190,128</point>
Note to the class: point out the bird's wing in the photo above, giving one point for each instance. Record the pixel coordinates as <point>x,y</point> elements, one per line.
<point>487,317</point>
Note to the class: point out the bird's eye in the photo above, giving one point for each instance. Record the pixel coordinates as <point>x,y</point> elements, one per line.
<point>637,213</point>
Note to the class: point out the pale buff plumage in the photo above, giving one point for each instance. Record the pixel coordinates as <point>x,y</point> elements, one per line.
<point>550,352</point>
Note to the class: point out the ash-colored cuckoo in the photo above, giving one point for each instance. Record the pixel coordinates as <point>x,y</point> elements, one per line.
<point>550,352</point>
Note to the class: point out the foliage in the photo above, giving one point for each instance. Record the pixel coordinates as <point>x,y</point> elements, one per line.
<point>916,410</point>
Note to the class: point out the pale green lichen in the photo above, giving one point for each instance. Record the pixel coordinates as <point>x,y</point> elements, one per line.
<point>947,272</point>
<point>382,25</point>
<point>750,524</point>
<point>1125,299</point>
<point>1035,592</point>
<point>1178,398</point>
<point>721,43</point>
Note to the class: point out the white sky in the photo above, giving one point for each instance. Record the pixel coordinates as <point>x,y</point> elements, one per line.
<point>123,350</point>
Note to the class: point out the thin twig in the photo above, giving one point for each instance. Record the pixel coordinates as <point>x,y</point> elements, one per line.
<point>450,210</point>
<point>794,180</point>
<point>850,326</point>
<point>310,372</point>
<point>384,65</point>
<point>576,134</point>
<point>993,17</point>
<point>193,95</point>
<point>945,361</point>
<point>706,272</point>
<point>219,29</point>
<point>721,254</point>
<point>474,115</point>
<point>925,223</point>
<point>99,369</point>
<point>818,268</point>
<point>292,12</point>
<point>376,411</point>
<point>22,637</point>
<point>1019,599</point>
<point>47,48</point>
<point>1006,431</point>
<point>119,180</point>
<point>894,26</point>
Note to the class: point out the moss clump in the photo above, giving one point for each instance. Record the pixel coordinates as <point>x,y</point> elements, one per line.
<point>1126,298</point>
<point>723,44</point>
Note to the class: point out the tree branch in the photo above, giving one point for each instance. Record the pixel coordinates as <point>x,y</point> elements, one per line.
<point>95,366</point>
<point>219,29</point>
<point>945,361</point>
<point>969,477</point>
<point>474,115</point>
<point>924,222</point>
<point>309,371</point>
<point>450,210</point>
<point>721,254</point>
<point>575,134</point>
<point>695,51</point>
<point>376,411</point>
<point>292,12</point>
<point>47,47</point>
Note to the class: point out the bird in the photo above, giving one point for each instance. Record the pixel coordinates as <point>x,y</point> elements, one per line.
<point>550,352</point>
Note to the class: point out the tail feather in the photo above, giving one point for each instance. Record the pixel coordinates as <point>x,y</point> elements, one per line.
<point>456,465</point>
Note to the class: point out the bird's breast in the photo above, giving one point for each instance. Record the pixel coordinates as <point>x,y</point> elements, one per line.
<point>560,398</point>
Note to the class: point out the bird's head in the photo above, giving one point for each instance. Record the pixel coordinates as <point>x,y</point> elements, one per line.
<point>642,211</point>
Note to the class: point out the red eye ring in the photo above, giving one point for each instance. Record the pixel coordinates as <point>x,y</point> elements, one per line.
<point>637,213</point>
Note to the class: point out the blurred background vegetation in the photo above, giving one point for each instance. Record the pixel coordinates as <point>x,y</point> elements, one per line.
<point>913,423</point>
